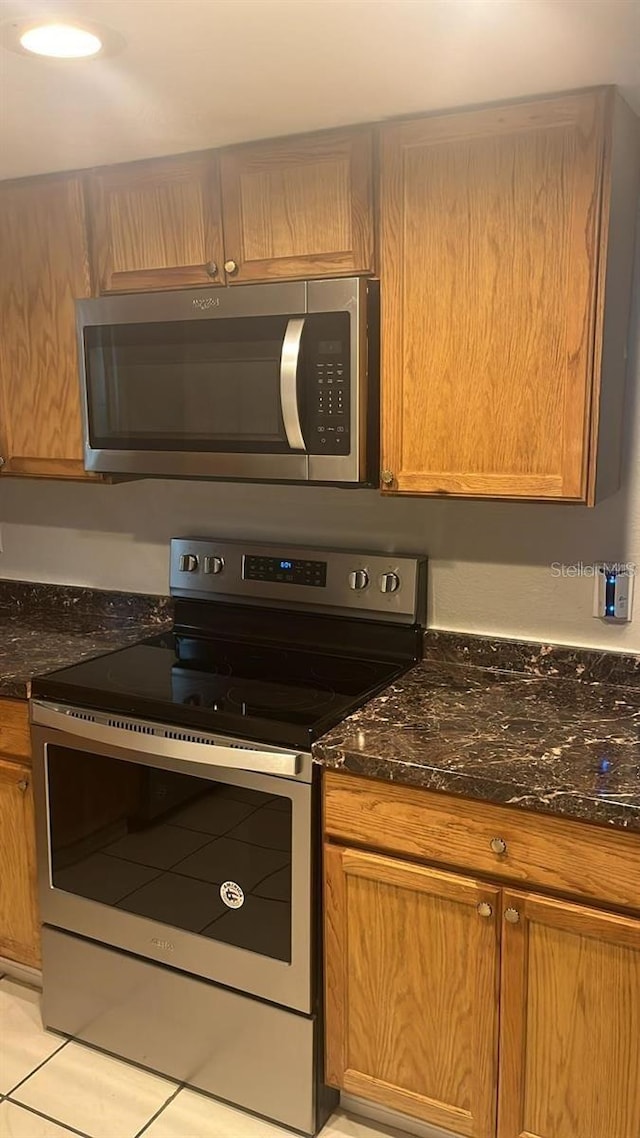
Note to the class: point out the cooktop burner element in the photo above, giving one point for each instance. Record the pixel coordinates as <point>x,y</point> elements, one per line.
<point>239,663</point>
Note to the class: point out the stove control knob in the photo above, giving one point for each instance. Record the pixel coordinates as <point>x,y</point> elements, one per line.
<point>188,563</point>
<point>358,579</point>
<point>213,564</point>
<point>389,583</point>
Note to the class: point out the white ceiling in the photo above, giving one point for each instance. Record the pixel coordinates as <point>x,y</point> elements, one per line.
<point>201,73</point>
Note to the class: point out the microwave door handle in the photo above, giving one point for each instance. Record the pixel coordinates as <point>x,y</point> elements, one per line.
<point>289,383</point>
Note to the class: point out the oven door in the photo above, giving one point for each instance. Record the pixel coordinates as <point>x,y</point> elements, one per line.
<point>252,383</point>
<point>203,867</point>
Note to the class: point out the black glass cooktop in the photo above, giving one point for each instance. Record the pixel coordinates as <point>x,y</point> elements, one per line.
<point>264,693</point>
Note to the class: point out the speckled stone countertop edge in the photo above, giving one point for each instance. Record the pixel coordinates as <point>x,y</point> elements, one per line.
<point>611,815</point>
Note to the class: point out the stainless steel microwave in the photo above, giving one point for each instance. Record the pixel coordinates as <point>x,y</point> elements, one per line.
<point>273,382</point>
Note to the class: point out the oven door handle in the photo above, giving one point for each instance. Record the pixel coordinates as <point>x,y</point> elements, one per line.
<point>149,739</point>
<point>289,361</point>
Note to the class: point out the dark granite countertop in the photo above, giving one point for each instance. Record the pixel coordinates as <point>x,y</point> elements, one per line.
<point>541,729</point>
<point>44,627</point>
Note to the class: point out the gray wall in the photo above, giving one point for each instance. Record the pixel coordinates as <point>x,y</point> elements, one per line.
<point>490,562</point>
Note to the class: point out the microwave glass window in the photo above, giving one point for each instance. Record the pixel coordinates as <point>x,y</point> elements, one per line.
<point>188,385</point>
<point>190,853</point>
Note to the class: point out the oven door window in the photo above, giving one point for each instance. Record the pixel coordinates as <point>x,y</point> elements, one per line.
<point>191,385</point>
<point>208,857</point>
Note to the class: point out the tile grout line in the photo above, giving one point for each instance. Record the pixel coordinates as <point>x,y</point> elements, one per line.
<point>48,1117</point>
<point>38,1068</point>
<point>157,1114</point>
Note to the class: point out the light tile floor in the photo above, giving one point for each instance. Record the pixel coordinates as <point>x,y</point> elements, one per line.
<point>51,1088</point>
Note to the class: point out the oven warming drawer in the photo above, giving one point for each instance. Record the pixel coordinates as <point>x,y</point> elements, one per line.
<point>253,1054</point>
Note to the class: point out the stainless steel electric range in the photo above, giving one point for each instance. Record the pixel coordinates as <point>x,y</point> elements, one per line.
<point>178,816</point>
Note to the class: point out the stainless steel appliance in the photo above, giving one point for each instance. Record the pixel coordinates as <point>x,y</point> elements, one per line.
<point>177,811</point>
<point>273,381</point>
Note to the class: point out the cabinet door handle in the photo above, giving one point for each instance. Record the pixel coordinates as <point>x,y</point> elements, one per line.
<point>231,267</point>
<point>484,909</point>
<point>512,916</point>
<point>211,268</point>
<point>386,477</point>
<point>2,462</point>
<point>23,785</point>
<point>498,845</point>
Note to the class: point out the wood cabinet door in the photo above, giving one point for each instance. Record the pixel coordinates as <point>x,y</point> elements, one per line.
<point>44,267</point>
<point>489,232</point>
<point>570,1022</point>
<point>19,927</point>
<point>412,989</point>
<point>157,225</point>
<point>299,207</point>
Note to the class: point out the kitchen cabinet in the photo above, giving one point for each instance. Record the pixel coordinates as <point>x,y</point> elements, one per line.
<point>412,988</point>
<point>413,999</point>
<point>19,928</point>
<point>505,252</point>
<point>299,207</point>
<point>157,224</point>
<point>570,1011</point>
<point>45,267</point>
<point>19,924</point>
<point>502,233</point>
<point>292,207</point>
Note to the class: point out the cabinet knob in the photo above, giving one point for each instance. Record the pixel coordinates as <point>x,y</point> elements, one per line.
<point>211,268</point>
<point>231,267</point>
<point>512,916</point>
<point>23,785</point>
<point>2,462</point>
<point>484,909</point>
<point>386,477</point>
<point>498,845</point>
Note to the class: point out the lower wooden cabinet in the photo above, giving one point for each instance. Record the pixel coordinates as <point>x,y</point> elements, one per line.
<point>19,928</point>
<point>412,989</point>
<point>413,1002</point>
<point>570,1021</point>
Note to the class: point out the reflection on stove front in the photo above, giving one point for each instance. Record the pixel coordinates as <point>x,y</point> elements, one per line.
<point>162,844</point>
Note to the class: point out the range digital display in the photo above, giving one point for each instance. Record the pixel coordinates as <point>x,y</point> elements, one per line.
<point>285,570</point>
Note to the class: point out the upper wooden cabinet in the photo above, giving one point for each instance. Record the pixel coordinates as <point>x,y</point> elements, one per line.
<point>299,207</point>
<point>44,267</point>
<point>293,207</point>
<point>412,989</point>
<point>157,224</point>
<point>570,1011</point>
<point>500,231</point>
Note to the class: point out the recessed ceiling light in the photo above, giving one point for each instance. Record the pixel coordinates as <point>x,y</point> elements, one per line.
<point>61,41</point>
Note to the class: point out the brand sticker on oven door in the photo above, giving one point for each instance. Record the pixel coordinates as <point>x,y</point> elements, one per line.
<point>232,894</point>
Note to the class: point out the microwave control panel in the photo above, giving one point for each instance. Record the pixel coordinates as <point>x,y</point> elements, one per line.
<point>329,416</point>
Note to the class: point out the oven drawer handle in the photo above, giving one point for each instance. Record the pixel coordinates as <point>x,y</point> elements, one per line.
<point>163,741</point>
<point>289,361</point>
